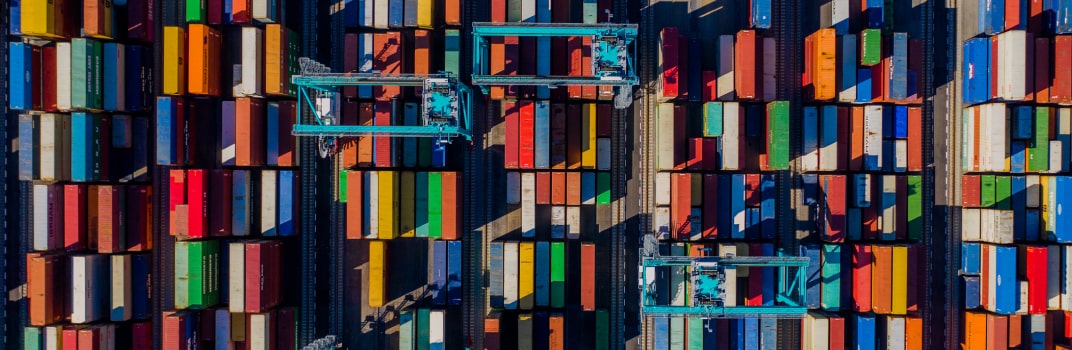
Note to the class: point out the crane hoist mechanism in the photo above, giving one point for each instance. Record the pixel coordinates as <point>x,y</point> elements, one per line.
<point>707,277</point>
<point>612,56</point>
<point>445,113</point>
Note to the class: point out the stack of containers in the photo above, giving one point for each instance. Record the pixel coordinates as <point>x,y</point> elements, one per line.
<point>721,135</point>
<point>1016,128</point>
<point>557,155</point>
<point>862,161</point>
<point>223,135</point>
<point>81,85</point>
<point>401,193</point>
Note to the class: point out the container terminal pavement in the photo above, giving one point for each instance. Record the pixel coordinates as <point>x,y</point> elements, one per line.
<point>536,174</point>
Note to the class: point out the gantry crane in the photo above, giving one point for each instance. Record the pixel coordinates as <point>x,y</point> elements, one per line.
<point>707,278</point>
<point>445,103</point>
<point>612,62</point>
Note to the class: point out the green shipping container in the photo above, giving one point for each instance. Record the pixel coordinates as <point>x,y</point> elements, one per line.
<point>558,274</point>
<point>196,11</point>
<point>203,274</point>
<point>603,188</point>
<point>712,118</point>
<point>423,329</point>
<point>435,205</point>
<point>987,195</point>
<point>420,215</point>
<point>182,274</point>
<point>1003,193</point>
<point>695,333</point>
<point>915,207</point>
<point>405,330</point>
<point>1038,149</point>
<point>831,278</point>
<point>778,135</point>
<point>342,186</point>
<point>86,73</point>
<point>870,47</point>
<point>452,45</point>
<point>602,330</point>
<point>677,333</point>
<point>31,338</point>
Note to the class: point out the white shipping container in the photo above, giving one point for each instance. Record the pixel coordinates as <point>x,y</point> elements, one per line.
<point>1004,226</point>
<point>662,188</point>
<point>261,333</point>
<point>967,141</point>
<point>969,228</point>
<point>1053,277</point>
<point>661,223</point>
<point>528,205</point>
<point>820,331</point>
<point>1012,70</point>
<point>991,282</point>
<point>528,10</point>
<point>986,225</point>
<point>731,134</point>
<point>406,331</point>
<point>40,218</point>
<point>729,249</point>
<point>1056,156</point>
<point>223,329</point>
<point>664,137</point>
<point>809,161</point>
<point>998,140</point>
<point>268,202</point>
<point>900,155</point>
<point>895,333</point>
<point>873,137</point>
<point>437,333</point>
<point>558,222</point>
<point>983,124</point>
<point>510,278</point>
<point>724,83</point>
<point>839,11</point>
<point>260,11</point>
<point>1022,308</point>
<point>573,220</point>
<point>252,83</point>
<point>121,292</point>
<point>1064,133</point>
<point>513,187</point>
<point>1032,190</point>
<point>366,9</point>
<point>1066,279</point>
<point>236,283</point>
<point>863,190</point>
<point>88,284</point>
<point>63,76</point>
<point>380,14</point>
<point>828,144</point>
<point>53,338</point>
<point>889,207</point>
<point>373,205</point>
<point>1050,209</point>
<point>770,79</point>
<point>603,153</point>
<point>54,134</point>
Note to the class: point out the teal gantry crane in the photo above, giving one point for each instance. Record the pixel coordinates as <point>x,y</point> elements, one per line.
<point>707,278</point>
<point>446,104</point>
<point>612,62</point>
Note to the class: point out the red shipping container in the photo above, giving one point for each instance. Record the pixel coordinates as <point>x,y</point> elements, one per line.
<point>862,259</point>
<point>754,291</point>
<point>984,279</point>
<point>286,322</point>
<point>1012,15</point>
<point>744,65</point>
<point>219,204</point>
<point>497,60</point>
<point>682,70</point>
<point>915,139</point>
<point>588,276</point>
<point>110,220</point>
<point>511,55</point>
<point>543,188</point>
<point>241,13</point>
<point>349,62</point>
<point>856,136</point>
<point>74,212</point>
<point>833,187</point>
<point>197,181</point>
<point>710,148</point>
<point>1034,268</point>
<point>141,335</point>
<point>901,208</point>
<point>1061,89</point>
<point>558,141</point>
<point>512,114</point>
<point>881,277</point>
<point>574,48</point>
<point>880,75</point>
<point>970,191</point>
<point>836,325</point>
<point>70,338</point>
<point>89,338</point>
<point>997,329</point>
<point>573,188</point>
<point>384,151</point>
<point>38,98</point>
<point>1043,78</point>
<point>287,117</point>
<point>388,56</point>
<point>587,92</point>
<point>526,146</point>
<point>365,116</point>
<point>354,201</point>
<point>262,267</point>
<point>696,156</point>
<point>174,335</point>
<point>573,137</point>
<point>1035,19</point>
<point>249,133</point>
<point>48,78</point>
<point>207,325</point>
<point>452,195</point>
<point>710,207</point>
<point>603,120</point>
<point>995,62</point>
<point>558,188</point>
<point>843,130</point>
<point>710,85</point>
<point>680,206</point>
<point>808,74</point>
<point>176,197</point>
<point>452,14</point>
<point>669,39</point>
<point>491,332</point>
<point>752,197</point>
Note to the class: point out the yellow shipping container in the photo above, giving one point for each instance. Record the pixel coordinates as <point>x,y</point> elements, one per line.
<point>388,208</point>
<point>275,61</point>
<point>426,14</point>
<point>899,304</point>
<point>407,200</point>
<point>38,18</point>
<point>174,60</point>
<point>377,254</point>
<point>525,272</point>
<point>588,138</point>
<point>1044,203</point>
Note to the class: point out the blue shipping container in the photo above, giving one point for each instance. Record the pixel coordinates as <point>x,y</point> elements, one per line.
<point>767,249</point>
<point>542,134</point>
<point>542,282</point>
<point>1063,16</point>
<point>862,331</point>
<point>1017,157</point>
<point>350,13</point>
<point>899,67</point>
<point>768,334</point>
<point>1007,288</point>
<point>1023,126</point>
<point>588,188</point>
<point>900,122</point>
<point>854,220</point>
<point>992,16</point>
<point>439,272</point>
<point>1062,228</point>
<point>114,62</point>
<point>976,73</point>
<point>738,334</point>
<point>662,333</point>
<point>240,202</point>
<point>761,14</point>
<point>1031,226</point>
<point>396,14</point>
<point>82,140</point>
<point>495,252</point>
<point>863,85</point>
<point>169,127</point>
<point>454,272</point>
<point>751,227</point>
<point>767,210</point>
<point>14,18</point>
<point>874,13</point>
<point>751,333</point>
<point>20,68</point>
<point>813,276</point>
<point>969,254</point>
<point>140,266</point>
<point>1018,185</point>
<point>971,292</point>
<point>695,67</point>
<point>848,62</point>
<point>285,209</point>
<point>139,78</point>
<point>28,146</point>
<point>271,140</point>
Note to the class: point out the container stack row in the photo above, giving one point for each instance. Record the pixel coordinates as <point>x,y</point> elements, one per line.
<point>1016,134</point>
<point>81,92</point>
<point>422,328</point>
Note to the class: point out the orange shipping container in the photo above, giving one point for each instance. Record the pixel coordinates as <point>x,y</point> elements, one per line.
<point>45,284</point>
<point>744,65</point>
<point>365,116</point>
<point>110,230</point>
<point>96,18</point>
<point>203,69</point>
<point>574,46</point>
<point>354,200</point>
<point>556,332</point>
<point>856,151</point>
<point>1015,329</point>
<point>825,61</point>
<point>881,279</point>
<point>997,331</point>
<point>249,131</point>
<point>974,331</point>
<point>497,64</point>
<point>422,45</point>
<point>452,12</point>
<point>387,58</point>
<point>452,193</point>
<point>587,92</point>
<point>573,188</point>
<point>913,333</point>
<point>276,65</point>
<point>558,188</point>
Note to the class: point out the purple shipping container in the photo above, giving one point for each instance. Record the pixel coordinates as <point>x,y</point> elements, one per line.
<point>140,15</point>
